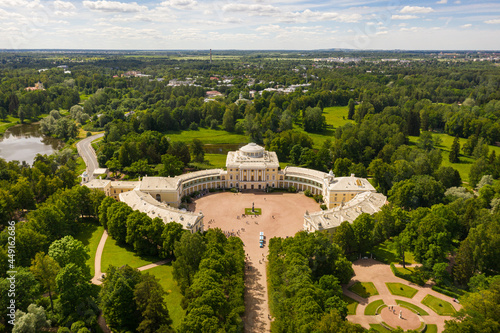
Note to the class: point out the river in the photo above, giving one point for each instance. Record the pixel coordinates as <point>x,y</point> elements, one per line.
<point>23,142</point>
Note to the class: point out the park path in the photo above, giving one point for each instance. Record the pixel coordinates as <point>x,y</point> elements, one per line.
<point>87,152</point>
<point>97,259</point>
<point>370,270</point>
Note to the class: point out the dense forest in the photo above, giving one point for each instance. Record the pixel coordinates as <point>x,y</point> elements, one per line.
<point>396,114</point>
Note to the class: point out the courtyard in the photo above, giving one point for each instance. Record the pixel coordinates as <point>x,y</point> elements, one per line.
<point>282,215</point>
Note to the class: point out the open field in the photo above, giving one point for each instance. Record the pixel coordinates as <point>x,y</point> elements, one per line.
<point>119,255</point>
<point>174,297</point>
<point>364,289</point>
<point>431,328</point>
<point>439,306</point>
<point>208,136</point>
<point>400,289</point>
<point>465,161</point>
<point>384,253</point>
<point>90,235</point>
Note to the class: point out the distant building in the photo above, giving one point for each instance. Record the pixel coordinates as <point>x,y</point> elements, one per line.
<point>213,93</point>
<point>38,86</point>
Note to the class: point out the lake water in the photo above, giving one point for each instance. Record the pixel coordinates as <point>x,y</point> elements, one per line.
<point>23,142</point>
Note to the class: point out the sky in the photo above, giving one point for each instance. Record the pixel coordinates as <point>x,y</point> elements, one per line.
<point>250,24</point>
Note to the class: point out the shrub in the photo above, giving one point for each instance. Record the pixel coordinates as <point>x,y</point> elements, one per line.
<point>415,278</point>
<point>292,189</point>
<point>186,199</point>
<point>89,134</point>
<point>318,198</point>
<point>234,190</point>
<point>308,193</point>
<point>446,292</point>
<point>323,207</point>
<point>193,126</point>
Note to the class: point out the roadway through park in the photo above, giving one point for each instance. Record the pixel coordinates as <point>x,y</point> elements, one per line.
<point>282,216</point>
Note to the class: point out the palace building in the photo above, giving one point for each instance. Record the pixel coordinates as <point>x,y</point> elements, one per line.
<point>249,168</point>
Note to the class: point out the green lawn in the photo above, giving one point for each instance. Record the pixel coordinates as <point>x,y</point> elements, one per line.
<point>385,254</point>
<point>412,307</point>
<point>372,307</point>
<point>351,305</point>
<point>212,161</point>
<point>364,289</point>
<point>258,211</point>
<point>8,122</point>
<point>208,136</point>
<point>411,275</point>
<point>119,255</point>
<point>90,235</point>
<point>164,273</point>
<point>379,328</point>
<point>400,289</point>
<point>463,167</point>
<point>439,306</point>
<point>431,328</point>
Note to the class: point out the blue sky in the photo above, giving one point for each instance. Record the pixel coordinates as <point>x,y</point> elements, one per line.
<point>250,24</point>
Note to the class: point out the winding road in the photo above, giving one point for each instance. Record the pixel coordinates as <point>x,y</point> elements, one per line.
<point>87,152</point>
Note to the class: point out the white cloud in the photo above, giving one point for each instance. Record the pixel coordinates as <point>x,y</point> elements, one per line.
<point>114,6</point>
<point>64,5</point>
<point>180,4</point>
<point>494,21</point>
<point>381,33</point>
<point>314,16</point>
<point>442,2</point>
<point>253,10</point>
<point>416,10</point>
<point>269,28</point>
<point>65,14</point>
<point>403,17</point>
<point>466,25</point>
<point>20,3</point>
<point>458,2</point>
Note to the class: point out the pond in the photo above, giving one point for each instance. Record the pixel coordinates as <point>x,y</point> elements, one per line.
<point>24,142</point>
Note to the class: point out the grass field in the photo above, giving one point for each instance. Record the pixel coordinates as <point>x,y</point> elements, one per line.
<point>212,161</point>
<point>8,122</point>
<point>164,273</point>
<point>384,253</point>
<point>439,306</point>
<point>463,167</point>
<point>119,255</point>
<point>351,305</point>
<point>412,307</point>
<point>431,328</point>
<point>208,136</point>
<point>364,289</point>
<point>400,289</point>
<point>372,307</point>
<point>257,211</point>
<point>90,235</point>
<point>379,328</point>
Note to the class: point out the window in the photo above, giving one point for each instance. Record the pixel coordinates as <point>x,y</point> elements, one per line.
<point>231,177</point>
<point>273,177</point>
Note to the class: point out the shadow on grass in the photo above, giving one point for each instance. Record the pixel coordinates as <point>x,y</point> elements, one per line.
<point>85,231</point>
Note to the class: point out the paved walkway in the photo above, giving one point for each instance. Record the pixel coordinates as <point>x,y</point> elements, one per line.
<point>370,270</point>
<point>97,259</point>
<point>87,152</point>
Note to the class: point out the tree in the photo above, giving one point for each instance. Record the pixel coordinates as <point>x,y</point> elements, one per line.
<point>117,298</point>
<point>455,151</point>
<point>448,176</point>
<point>172,233</point>
<point>314,121</point>
<point>149,298</point>
<point>350,107</point>
<point>362,228</point>
<point>68,250</point>
<point>181,150</point>
<point>188,253</point>
<point>6,206</point>
<point>198,150</point>
<point>45,270</point>
<point>413,123</point>
<point>103,211</point>
<point>27,291</point>
<point>32,321</point>
<point>228,120</point>
<point>344,237</point>
<point>332,322</point>
<point>117,220</point>
<point>172,166</point>
<point>73,287</point>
